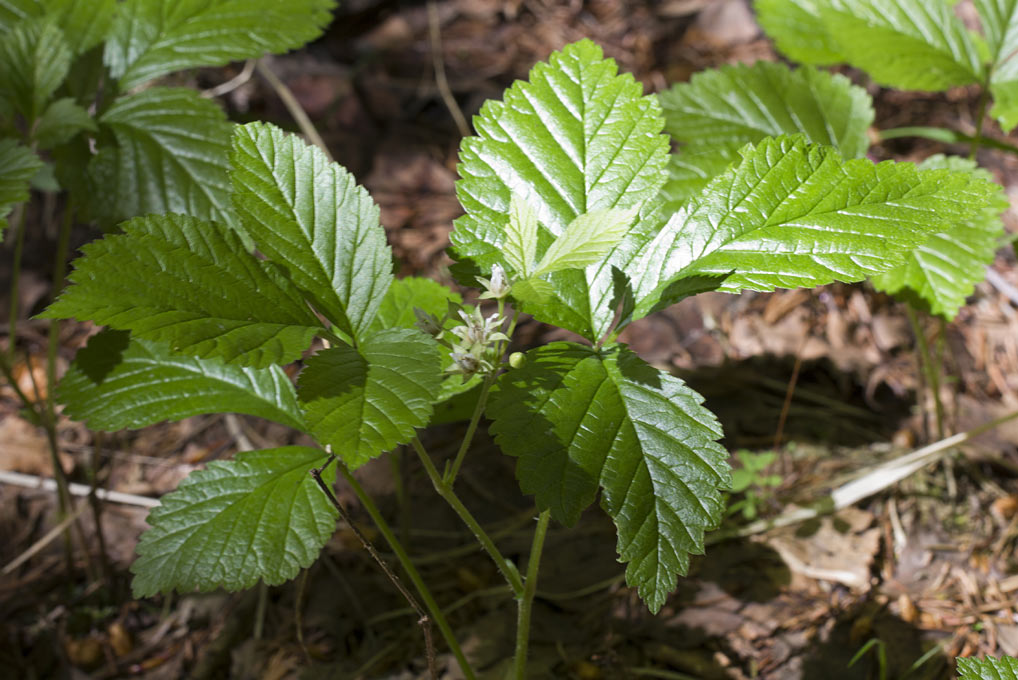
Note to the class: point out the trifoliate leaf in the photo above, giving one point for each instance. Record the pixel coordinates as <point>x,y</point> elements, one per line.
<point>945,269</point>
<point>191,284</point>
<point>576,138</point>
<point>365,401</point>
<point>798,31</point>
<point>1004,668</point>
<point>150,38</point>
<point>84,24</point>
<point>310,215</point>
<point>792,214</point>
<point>171,155</point>
<point>1000,26</point>
<point>586,240</point>
<point>520,248</point>
<point>34,60</point>
<point>908,44</point>
<point>118,382</point>
<point>578,419</point>
<point>17,167</point>
<point>61,120</point>
<point>720,110</point>
<point>259,517</point>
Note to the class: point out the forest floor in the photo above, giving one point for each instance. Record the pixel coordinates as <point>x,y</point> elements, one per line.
<point>921,573</point>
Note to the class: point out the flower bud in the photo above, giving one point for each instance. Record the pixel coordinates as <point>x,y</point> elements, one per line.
<point>517,359</point>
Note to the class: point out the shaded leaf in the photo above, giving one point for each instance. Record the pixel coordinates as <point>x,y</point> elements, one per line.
<point>17,167</point>
<point>310,215</point>
<point>61,120</point>
<point>117,382</point>
<point>34,60</point>
<point>579,419</point>
<point>259,517</point>
<point>84,24</point>
<point>193,285</point>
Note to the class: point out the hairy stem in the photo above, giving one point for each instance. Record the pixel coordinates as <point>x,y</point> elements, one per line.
<point>512,577</point>
<point>527,601</point>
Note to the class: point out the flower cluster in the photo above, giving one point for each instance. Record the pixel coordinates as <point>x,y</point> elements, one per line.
<point>475,347</point>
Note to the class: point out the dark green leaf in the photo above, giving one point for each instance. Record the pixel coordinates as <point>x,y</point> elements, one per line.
<point>84,24</point>
<point>579,419</point>
<point>192,284</point>
<point>259,517</point>
<point>309,215</point>
<point>34,60</point>
<point>1004,668</point>
<point>117,382</point>
<point>17,167</point>
<point>365,401</point>
<point>61,120</point>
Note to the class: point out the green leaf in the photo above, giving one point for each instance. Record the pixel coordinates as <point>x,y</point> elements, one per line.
<point>945,269</point>
<point>576,138</point>
<point>309,215</point>
<point>84,24</point>
<point>1000,26</point>
<point>520,246</point>
<point>34,60</point>
<point>397,308</point>
<point>61,120</point>
<point>908,44</point>
<point>586,240</point>
<point>365,401</point>
<point>798,31</point>
<point>792,214</point>
<point>690,170</point>
<point>150,38</point>
<point>118,382</point>
<point>171,155</point>
<point>259,517</point>
<point>17,167</point>
<point>1004,668</point>
<point>192,284</point>
<point>578,419</point>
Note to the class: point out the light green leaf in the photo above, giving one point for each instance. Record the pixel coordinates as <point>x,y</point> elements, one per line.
<point>150,38</point>
<point>792,214</point>
<point>576,138</point>
<point>908,44</point>
<point>17,167</point>
<point>171,155</point>
<point>579,419</point>
<point>520,247</point>
<point>84,24</point>
<point>1000,25</point>
<point>310,215</point>
<point>798,31</point>
<point>365,401</point>
<point>1004,668</point>
<point>192,284</point>
<point>34,60</point>
<point>259,517</point>
<point>945,269</point>
<point>61,120</point>
<point>117,382</point>
<point>586,240</point>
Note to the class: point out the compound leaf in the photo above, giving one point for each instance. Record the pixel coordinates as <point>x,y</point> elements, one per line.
<point>792,214</point>
<point>945,269</point>
<point>1000,26</point>
<point>17,167</point>
<point>367,400</point>
<point>192,284</point>
<point>170,156</point>
<point>61,120</point>
<point>309,215</point>
<point>1004,668</point>
<point>34,60</point>
<point>578,419</point>
<point>576,138</point>
<point>118,382</point>
<point>798,31</point>
<point>908,44</point>
<point>258,517</point>
<point>150,38</point>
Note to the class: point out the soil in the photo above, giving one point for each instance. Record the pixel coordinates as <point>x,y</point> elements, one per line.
<point>895,586</point>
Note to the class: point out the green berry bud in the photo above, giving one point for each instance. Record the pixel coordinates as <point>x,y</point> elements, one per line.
<point>517,359</point>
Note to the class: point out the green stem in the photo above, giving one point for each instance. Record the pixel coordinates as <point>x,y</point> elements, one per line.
<point>512,577</point>
<point>482,400</point>
<point>527,601</point>
<point>945,136</point>
<point>984,99</point>
<point>415,577</point>
<point>19,246</point>
<point>929,368</point>
<point>59,272</point>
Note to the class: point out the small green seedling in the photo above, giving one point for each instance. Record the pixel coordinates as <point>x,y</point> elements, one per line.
<point>751,481</point>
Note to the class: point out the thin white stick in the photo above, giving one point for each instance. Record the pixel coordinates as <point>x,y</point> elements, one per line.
<point>34,482</point>
<point>44,541</point>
